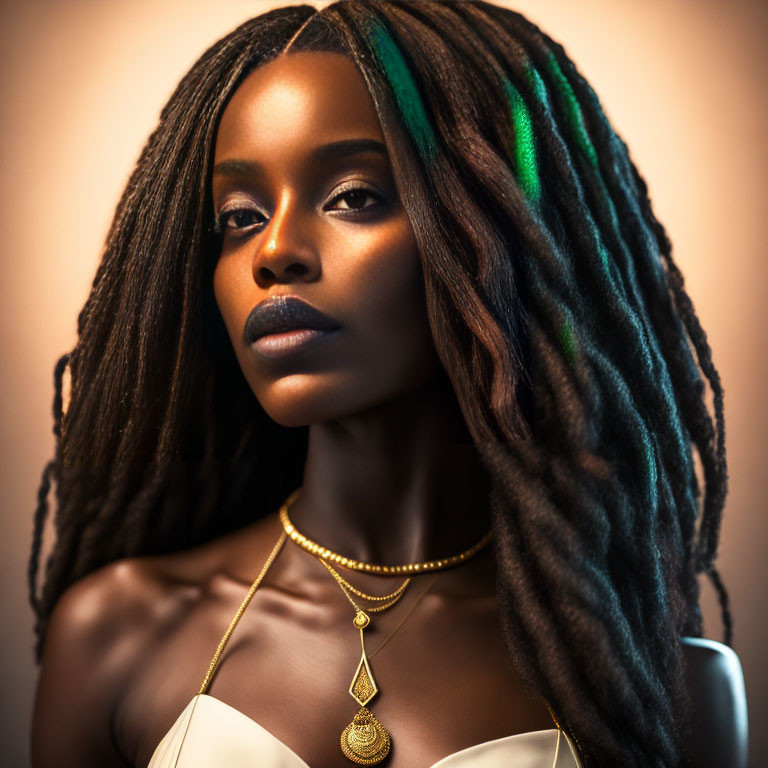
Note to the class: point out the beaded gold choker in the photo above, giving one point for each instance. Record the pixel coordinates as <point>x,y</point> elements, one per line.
<point>358,565</point>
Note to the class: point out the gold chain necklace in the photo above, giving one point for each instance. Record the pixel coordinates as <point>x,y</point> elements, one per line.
<point>365,741</point>
<point>343,584</point>
<point>375,598</point>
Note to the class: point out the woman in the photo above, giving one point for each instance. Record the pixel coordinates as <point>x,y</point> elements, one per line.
<point>384,281</point>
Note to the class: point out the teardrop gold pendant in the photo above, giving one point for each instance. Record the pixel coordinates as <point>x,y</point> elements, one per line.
<point>365,741</point>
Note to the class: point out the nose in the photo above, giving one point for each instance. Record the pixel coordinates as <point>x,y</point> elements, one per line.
<point>285,251</point>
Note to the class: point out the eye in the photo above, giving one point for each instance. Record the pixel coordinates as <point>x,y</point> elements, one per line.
<point>355,197</point>
<point>237,220</point>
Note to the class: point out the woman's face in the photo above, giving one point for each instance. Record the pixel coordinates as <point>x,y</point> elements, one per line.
<point>306,202</point>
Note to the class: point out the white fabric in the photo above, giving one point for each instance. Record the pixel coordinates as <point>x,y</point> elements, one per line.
<point>210,733</point>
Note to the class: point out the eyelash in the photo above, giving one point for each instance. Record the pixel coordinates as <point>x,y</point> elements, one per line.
<point>219,223</point>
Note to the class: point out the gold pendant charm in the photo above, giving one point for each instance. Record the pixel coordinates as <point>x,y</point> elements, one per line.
<point>365,741</point>
<point>363,687</point>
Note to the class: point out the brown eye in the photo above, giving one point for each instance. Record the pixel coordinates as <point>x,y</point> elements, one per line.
<point>238,220</point>
<point>354,199</point>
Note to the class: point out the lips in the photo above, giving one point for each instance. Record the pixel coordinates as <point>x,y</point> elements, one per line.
<point>279,314</point>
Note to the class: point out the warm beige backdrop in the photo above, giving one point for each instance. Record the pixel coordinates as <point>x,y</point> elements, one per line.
<point>82,84</point>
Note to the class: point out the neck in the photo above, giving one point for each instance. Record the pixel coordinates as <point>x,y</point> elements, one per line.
<point>398,483</point>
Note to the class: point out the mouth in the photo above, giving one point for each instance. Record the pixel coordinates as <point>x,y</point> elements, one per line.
<point>283,325</point>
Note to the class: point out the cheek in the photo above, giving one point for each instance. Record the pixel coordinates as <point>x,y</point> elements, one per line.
<point>387,287</point>
<point>400,282</point>
<point>230,290</point>
<point>385,261</point>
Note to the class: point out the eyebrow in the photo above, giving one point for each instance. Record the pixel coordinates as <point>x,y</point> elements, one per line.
<point>324,153</point>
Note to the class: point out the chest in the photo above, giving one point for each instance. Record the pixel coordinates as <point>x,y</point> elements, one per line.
<point>444,682</point>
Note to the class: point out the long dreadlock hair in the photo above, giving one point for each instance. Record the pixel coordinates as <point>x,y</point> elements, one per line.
<point>557,312</point>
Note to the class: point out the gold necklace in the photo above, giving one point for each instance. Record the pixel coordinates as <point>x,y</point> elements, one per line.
<point>365,741</point>
<point>359,565</point>
<point>374,598</point>
<point>346,587</point>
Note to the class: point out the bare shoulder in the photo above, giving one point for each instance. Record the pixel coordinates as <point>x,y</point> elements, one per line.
<point>96,632</point>
<point>90,617</point>
<point>145,594</point>
<point>104,629</point>
<point>718,733</point>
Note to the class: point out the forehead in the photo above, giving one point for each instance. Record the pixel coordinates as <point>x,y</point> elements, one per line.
<point>303,99</point>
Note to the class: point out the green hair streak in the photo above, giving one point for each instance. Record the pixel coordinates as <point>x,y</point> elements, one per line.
<point>575,115</point>
<point>567,340</point>
<point>524,150</point>
<point>404,87</point>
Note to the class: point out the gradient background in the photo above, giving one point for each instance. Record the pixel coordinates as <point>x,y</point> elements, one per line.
<point>83,81</point>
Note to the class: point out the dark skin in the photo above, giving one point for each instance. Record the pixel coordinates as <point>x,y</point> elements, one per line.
<point>389,477</point>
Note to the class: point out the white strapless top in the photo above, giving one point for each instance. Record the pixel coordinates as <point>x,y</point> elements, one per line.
<point>210,733</point>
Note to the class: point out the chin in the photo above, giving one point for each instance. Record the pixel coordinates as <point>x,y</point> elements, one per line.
<point>300,400</point>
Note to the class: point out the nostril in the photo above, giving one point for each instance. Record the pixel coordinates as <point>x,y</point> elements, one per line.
<point>296,268</point>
